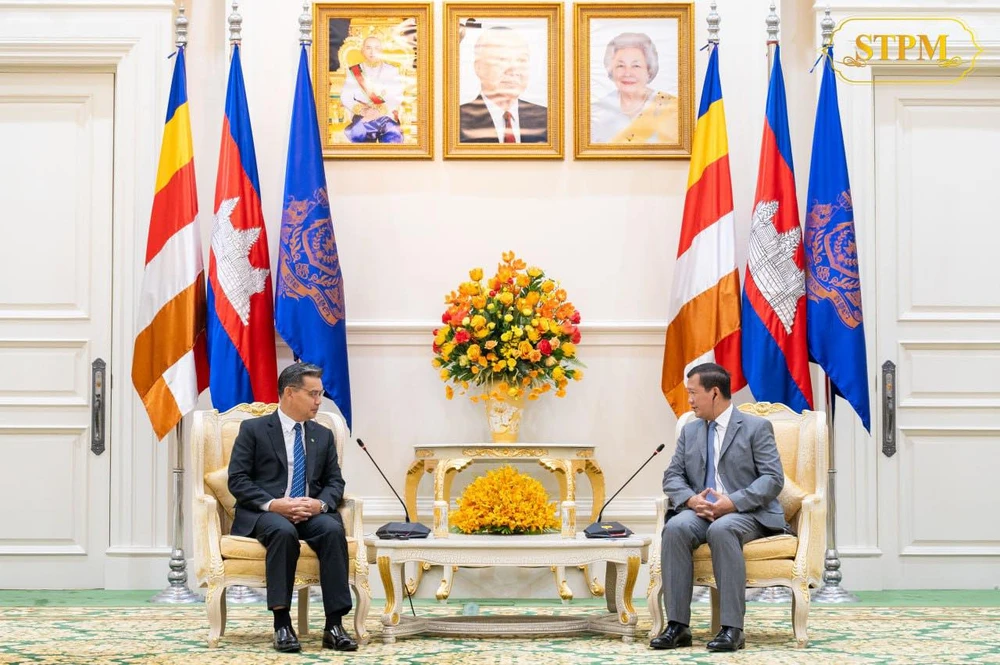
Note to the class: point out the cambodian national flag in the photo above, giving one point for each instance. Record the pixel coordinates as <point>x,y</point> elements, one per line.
<point>309,310</point>
<point>775,359</point>
<point>241,349</point>
<point>833,310</point>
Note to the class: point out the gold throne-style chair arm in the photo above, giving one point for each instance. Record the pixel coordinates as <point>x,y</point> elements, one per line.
<point>812,539</point>
<point>207,533</point>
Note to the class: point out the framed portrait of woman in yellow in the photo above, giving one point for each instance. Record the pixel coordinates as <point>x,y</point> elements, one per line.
<point>372,77</point>
<point>634,68</point>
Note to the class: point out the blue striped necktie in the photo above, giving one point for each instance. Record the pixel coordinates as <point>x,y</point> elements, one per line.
<point>299,473</point>
<point>710,460</point>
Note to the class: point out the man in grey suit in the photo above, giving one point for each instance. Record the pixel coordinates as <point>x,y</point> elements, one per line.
<point>723,482</point>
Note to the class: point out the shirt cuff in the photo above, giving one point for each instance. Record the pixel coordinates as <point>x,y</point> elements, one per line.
<point>266,507</point>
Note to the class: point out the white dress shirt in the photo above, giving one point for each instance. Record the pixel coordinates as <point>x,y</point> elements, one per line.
<point>721,425</point>
<point>497,114</point>
<point>288,432</point>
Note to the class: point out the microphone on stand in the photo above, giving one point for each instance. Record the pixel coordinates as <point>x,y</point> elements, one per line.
<point>396,530</point>
<point>600,529</point>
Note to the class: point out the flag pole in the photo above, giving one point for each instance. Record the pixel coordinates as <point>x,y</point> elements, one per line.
<point>239,593</point>
<point>831,592</point>
<point>772,37</point>
<point>178,592</point>
<point>703,594</point>
<point>771,594</point>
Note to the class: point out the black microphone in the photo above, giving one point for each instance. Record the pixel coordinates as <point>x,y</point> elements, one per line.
<point>601,529</point>
<point>396,530</point>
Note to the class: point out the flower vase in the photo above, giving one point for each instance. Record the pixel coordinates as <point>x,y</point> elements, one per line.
<point>504,418</point>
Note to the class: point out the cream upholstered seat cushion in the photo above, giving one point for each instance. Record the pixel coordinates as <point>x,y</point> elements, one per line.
<point>781,546</point>
<point>248,549</point>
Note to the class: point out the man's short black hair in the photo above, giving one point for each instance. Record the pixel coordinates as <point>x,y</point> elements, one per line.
<point>294,374</point>
<point>711,375</point>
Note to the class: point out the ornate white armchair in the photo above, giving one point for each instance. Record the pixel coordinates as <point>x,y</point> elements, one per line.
<point>222,560</point>
<point>783,560</point>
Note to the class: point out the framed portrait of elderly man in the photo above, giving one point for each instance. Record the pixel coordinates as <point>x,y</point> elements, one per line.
<point>634,67</point>
<point>503,81</point>
<point>372,75</point>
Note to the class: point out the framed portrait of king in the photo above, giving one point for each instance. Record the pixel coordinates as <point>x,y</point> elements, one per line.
<point>503,80</point>
<point>634,68</point>
<point>373,79</point>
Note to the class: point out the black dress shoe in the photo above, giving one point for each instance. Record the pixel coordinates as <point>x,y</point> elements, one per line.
<point>286,641</point>
<point>673,636</point>
<point>338,639</point>
<point>728,639</point>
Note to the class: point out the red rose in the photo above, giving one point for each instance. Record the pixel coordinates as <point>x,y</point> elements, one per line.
<point>493,294</point>
<point>576,318</point>
<point>436,348</point>
<point>445,317</point>
<point>462,336</point>
<point>575,338</point>
<point>545,347</point>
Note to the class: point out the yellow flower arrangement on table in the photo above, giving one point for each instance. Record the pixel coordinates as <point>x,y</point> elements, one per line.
<point>507,502</point>
<point>515,334</point>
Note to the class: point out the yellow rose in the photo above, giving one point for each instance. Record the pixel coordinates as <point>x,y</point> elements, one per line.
<point>506,298</point>
<point>478,321</point>
<point>513,392</point>
<point>442,336</point>
<point>508,318</point>
<point>533,334</point>
<point>534,272</point>
<point>535,356</point>
<point>476,274</point>
<point>491,344</point>
<point>447,349</point>
<point>483,332</point>
<point>500,366</point>
<point>524,348</point>
<point>550,361</point>
<point>578,375</point>
<point>490,307</point>
<point>555,342</point>
<point>445,374</point>
<point>492,325</point>
<point>526,311</point>
<point>436,363</point>
<point>479,301</point>
<point>511,363</point>
<point>517,330</point>
<point>532,298</point>
<point>569,349</point>
<point>473,352</point>
<point>475,369</point>
<point>558,373</point>
<point>548,286</point>
<point>505,337</point>
<point>463,361</point>
<point>522,280</point>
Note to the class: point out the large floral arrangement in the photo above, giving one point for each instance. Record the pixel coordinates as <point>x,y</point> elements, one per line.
<point>514,333</point>
<point>505,501</point>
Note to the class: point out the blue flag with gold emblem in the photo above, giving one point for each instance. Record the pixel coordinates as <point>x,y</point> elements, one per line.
<point>309,311</point>
<point>834,321</point>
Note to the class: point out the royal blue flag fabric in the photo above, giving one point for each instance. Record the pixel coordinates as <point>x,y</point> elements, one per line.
<point>309,309</point>
<point>834,320</point>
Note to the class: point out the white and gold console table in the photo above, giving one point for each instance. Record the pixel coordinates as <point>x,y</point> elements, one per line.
<point>444,460</point>
<point>623,556</point>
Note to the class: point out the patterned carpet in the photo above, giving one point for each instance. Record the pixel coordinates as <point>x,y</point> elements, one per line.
<point>839,635</point>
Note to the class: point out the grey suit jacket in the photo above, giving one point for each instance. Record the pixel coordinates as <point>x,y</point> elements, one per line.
<point>748,465</point>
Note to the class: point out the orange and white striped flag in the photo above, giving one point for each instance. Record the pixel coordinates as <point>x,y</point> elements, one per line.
<point>705,299</point>
<point>169,367</point>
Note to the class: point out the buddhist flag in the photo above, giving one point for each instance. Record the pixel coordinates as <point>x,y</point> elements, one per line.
<point>775,360</point>
<point>705,298</point>
<point>241,347</point>
<point>833,283</point>
<point>309,311</point>
<point>169,368</point>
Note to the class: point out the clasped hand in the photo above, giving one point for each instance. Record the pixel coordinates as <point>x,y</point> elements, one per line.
<point>706,509</point>
<point>296,510</point>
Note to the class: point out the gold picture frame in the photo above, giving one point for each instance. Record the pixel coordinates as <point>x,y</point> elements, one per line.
<point>514,50</point>
<point>618,114</point>
<point>381,56</point>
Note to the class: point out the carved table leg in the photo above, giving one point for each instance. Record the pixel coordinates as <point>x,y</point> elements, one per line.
<point>621,600</point>
<point>565,593</point>
<point>447,578</point>
<point>390,572</point>
<point>596,588</point>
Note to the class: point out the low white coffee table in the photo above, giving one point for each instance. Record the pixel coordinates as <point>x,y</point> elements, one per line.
<point>623,557</point>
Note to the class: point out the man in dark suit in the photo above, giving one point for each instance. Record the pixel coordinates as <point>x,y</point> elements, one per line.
<point>287,483</point>
<point>723,481</point>
<point>498,115</point>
